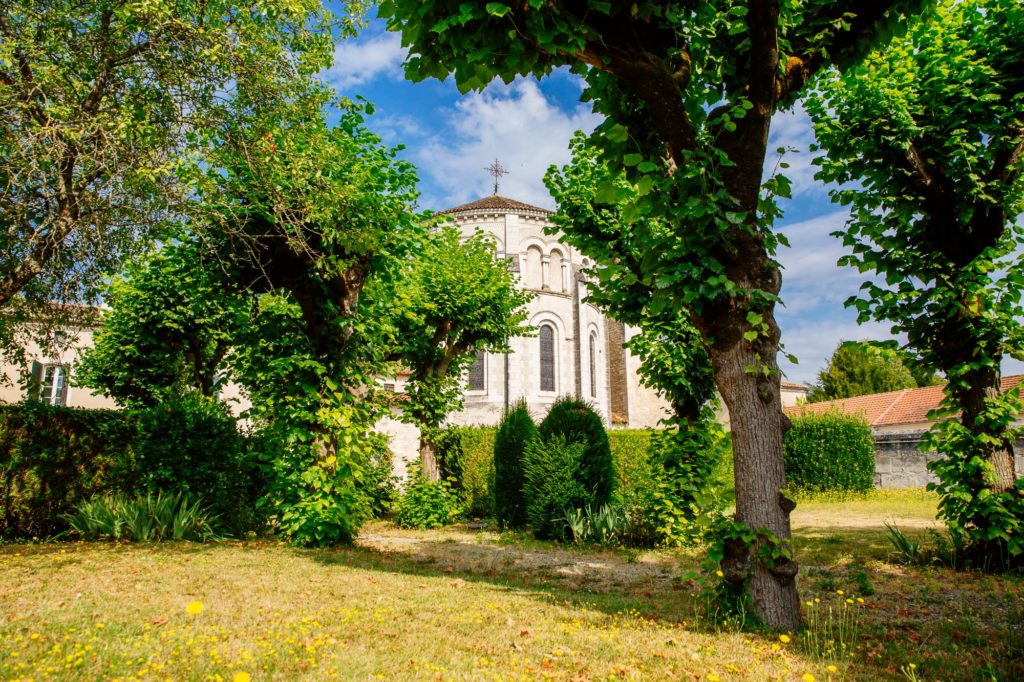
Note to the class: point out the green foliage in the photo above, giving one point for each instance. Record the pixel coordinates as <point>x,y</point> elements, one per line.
<point>426,504</point>
<point>861,369</point>
<point>466,458</point>
<point>553,486</point>
<point>191,445</point>
<point>514,434</point>
<point>631,456</point>
<point>830,451</point>
<point>988,525</point>
<point>454,299</point>
<point>107,103</point>
<point>576,421</point>
<point>171,322</point>
<point>379,484</point>
<point>146,518</point>
<point>52,458</point>
<point>604,525</point>
<point>924,140</point>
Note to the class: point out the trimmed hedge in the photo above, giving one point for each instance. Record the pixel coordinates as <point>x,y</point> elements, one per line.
<point>53,458</point>
<point>830,451</point>
<point>466,458</point>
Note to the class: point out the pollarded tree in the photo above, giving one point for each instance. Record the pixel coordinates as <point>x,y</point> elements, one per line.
<point>99,102</point>
<point>454,299</point>
<point>932,129</point>
<point>857,368</point>
<point>689,90</point>
<point>171,322</point>
<point>307,213</point>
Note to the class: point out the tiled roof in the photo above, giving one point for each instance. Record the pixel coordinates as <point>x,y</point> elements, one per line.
<point>909,406</point>
<point>495,202</point>
<point>793,386</point>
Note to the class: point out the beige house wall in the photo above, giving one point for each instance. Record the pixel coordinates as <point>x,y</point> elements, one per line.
<point>13,391</point>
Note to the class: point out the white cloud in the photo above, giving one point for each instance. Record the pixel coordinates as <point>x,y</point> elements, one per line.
<point>360,61</point>
<point>516,124</point>
<point>793,130</point>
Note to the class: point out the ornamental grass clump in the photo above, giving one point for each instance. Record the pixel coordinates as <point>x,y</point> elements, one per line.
<point>145,518</point>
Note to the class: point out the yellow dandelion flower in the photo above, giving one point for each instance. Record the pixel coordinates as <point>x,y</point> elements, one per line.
<point>712,677</point>
<point>860,600</point>
<point>840,593</point>
<point>775,647</point>
<point>807,677</point>
<point>720,574</point>
<point>833,669</point>
<point>849,601</point>
<point>913,666</point>
<point>195,608</point>
<point>241,677</point>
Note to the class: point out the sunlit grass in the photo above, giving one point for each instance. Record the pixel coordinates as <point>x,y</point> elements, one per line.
<point>462,604</point>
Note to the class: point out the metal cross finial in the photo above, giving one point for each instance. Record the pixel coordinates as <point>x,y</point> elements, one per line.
<point>497,171</point>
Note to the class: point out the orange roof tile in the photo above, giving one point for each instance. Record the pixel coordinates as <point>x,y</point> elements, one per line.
<point>909,406</point>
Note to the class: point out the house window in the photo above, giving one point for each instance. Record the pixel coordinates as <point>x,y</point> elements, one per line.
<point>547,357</point>
<point>50,383</point>
<point>478,372</point>
<point>593,365</point>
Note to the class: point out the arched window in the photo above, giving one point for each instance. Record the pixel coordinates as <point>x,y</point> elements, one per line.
<point>478,372</point>
<point>547,357</point>
<point>593,365</point>
<point>555,271</point>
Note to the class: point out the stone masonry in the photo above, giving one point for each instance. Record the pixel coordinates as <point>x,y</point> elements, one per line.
<point>899,463</point>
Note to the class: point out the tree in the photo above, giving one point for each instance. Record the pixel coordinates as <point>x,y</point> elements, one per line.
<point>452,301</point>
<point>857,368</point>
<point>100,100</point>
<point>688,90</point>
<point>171,322</point>
<point>302,214</point>
<point>931,128</point>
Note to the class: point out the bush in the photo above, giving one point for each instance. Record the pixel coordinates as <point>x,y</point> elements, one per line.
<point>191,445</point>
<point>146,518</point>
<point>552,486</point>
<point>52,458</point>
<point>514,433</point>
<point>379,483</point>
<point>426,504</point>
<point>830,451</point>
<point>577,422</point>
<point>631,456</point>
<point>465,455</point>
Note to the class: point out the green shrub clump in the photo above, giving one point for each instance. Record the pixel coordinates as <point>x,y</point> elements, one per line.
<point>516,431</point>
<point>54,458</point>
<point>145,518</point>
<point>426,504</point>
<point>192,445</point>
<point>577,422</point>
<point>552,485</point>
<point>830,451</point>
<point>465,455</point>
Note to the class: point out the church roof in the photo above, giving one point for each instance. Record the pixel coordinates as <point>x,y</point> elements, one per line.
<point>495,202</point>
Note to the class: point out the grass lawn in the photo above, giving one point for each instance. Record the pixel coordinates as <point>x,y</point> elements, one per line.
<point>462,604</point>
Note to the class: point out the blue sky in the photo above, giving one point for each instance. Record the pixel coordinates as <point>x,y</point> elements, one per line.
<point>527,125</point>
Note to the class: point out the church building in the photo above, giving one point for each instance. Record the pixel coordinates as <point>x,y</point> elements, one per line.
<point>577,350</point>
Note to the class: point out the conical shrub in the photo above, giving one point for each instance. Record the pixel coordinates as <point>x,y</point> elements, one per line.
<point>577,422</point>
<point>516,430</point>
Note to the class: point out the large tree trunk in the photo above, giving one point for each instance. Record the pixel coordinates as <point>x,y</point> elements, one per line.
<point>428,460</point>
<point>758,425</point>
<point>983,384</point>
